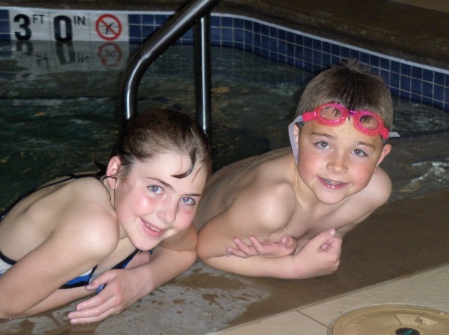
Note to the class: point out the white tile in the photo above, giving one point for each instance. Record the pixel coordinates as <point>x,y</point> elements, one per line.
<point>428,289</point>
<point>291,323</point>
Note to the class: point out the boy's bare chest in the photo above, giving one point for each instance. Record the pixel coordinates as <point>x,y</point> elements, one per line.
<point>306,225</point>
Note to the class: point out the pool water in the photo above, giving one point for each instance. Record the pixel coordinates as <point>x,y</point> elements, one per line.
<point>60,106</point>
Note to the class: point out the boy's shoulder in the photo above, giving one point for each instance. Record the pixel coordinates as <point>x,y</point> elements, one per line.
<point>374,195</point>
<point>270,195</point>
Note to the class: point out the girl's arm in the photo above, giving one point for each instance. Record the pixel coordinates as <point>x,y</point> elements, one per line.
<point>124,287</point>
<point>31,286</point>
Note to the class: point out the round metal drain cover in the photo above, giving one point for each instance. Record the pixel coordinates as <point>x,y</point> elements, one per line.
<point>392,320</point>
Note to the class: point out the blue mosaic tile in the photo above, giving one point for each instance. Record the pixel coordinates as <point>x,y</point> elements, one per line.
<point>134,19</point>
<point>385,64</point>
<point>416,86</point>
<point>439,78</point>
<point>427,75</point>
<point>405,83</point>
<point>394,80</point>
<point>417,72</point>
<point>4,15</point>
<point>438,92</point>
<point>238,23</point>
<point>406,69</point>
<point>395,67</point>
<point>427,89</point>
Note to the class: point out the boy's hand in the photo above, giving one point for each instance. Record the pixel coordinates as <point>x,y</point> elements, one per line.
<point>322,254</point>
<point>285,247</point>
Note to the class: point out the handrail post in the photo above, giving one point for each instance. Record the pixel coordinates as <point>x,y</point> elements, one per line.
<point>203,73</point>
<point>160,41</point>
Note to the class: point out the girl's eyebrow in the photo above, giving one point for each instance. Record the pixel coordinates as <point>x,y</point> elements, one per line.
<point>172,188</point>
<point>162,182</point>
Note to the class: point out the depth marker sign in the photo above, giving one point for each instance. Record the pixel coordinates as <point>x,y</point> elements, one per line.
<point>108,27</point>
<point>34,24</point>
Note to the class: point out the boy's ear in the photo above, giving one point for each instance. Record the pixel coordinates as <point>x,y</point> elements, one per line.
<point>113,170</point>
<point>385,151</point>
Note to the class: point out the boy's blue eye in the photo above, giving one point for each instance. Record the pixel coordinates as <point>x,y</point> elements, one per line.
<point>360,153</point>
<point>322,145</point>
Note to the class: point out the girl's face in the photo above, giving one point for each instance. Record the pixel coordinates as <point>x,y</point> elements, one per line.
<point>336,162</point>
<point>150,203</point>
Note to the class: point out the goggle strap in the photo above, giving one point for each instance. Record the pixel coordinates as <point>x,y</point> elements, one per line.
<point>291,135</point>
<point>307,116</point>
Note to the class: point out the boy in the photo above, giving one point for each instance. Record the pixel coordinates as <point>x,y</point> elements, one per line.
<point>285,212</point>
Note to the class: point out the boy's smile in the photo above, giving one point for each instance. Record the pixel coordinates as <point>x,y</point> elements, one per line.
<point>335,162</point>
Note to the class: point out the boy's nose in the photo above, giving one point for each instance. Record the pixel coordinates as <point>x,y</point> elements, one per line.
<point>337,164</point>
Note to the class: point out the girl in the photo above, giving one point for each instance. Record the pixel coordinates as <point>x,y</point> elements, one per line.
<point>57,238</point>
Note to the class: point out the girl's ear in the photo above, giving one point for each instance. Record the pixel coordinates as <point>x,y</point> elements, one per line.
<point>113,170</point>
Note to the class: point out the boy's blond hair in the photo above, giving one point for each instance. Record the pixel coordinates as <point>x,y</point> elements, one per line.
<point>351,86</point>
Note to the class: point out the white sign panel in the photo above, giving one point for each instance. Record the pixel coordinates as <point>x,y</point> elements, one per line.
<point>36,24</point>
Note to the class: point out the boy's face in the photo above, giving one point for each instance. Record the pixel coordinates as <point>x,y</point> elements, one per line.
<point>335,162</point>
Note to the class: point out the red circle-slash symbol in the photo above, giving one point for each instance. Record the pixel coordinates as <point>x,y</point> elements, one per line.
<point>110,54</point>
<point>108,27</point>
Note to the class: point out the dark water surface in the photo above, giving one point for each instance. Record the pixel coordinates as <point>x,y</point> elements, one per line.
<point>59,106</point>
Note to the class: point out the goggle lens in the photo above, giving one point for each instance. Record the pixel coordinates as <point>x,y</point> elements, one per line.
<point>330,113</point>
<point>369,122</point>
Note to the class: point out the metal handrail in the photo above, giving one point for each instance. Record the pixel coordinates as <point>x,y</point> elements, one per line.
<point>158,43</point>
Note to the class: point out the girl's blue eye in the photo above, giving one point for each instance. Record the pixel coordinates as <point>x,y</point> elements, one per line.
<point>155,189</point>
<point>188,201</point>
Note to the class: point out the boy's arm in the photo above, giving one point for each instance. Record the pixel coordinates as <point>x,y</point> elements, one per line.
<point>320,256</point>
<point>261,214</point>
<point>124,287</point>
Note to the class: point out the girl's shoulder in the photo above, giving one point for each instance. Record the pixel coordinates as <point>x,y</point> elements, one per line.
<point>87,213</point>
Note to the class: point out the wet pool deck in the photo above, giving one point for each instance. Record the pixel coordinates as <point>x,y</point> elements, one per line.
<point>397,246</point>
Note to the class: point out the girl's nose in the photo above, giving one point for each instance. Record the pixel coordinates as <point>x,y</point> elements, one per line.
<point>167,212</point>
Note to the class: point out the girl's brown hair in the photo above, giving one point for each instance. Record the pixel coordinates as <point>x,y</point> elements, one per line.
<point>157,131</point>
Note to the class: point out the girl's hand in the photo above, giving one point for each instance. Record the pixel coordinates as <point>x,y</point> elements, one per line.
<point>118,293</point>
<point>285,247</point>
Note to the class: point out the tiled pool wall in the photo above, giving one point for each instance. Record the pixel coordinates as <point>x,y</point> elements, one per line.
<point>409,80</point>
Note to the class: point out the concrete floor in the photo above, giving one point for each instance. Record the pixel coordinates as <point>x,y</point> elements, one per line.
<point>397,256</point>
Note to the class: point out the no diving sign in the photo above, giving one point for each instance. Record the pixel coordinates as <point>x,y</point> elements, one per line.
<point>108,27</point>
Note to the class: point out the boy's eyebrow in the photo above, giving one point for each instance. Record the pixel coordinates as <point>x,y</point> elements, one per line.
<point>334,137</point>
<point>172,188</point>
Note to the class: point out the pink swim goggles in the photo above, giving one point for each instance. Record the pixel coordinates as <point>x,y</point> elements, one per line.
<point>332,114</point>
<point>366,122</point>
